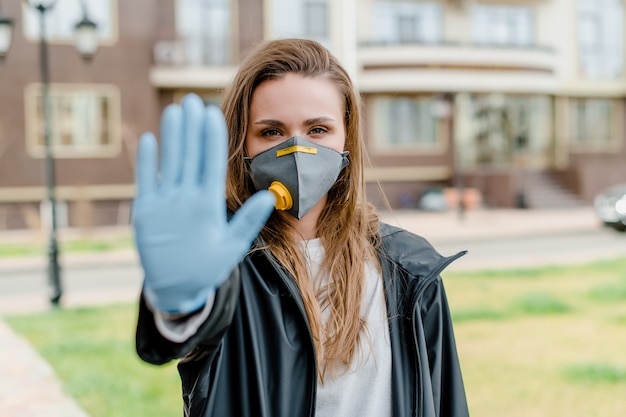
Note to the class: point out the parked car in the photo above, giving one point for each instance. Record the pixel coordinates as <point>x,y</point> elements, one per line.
<point>610,206</point>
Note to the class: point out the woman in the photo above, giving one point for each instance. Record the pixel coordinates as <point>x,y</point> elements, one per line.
<point>301,303</point>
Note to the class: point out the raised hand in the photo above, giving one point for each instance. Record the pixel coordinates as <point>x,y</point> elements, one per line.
<point>186,244</point>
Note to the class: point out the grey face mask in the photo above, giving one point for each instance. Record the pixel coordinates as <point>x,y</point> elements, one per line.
<point>298,172</point>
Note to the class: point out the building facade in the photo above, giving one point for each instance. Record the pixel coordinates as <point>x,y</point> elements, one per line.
<point>521,101</point>
<point>98,109</point>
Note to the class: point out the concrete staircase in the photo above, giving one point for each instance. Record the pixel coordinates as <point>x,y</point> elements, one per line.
<point>545,190</point>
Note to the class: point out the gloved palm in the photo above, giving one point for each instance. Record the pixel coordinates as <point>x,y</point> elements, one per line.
<point>186,244</point>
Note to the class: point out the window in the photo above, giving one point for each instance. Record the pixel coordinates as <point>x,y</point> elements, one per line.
<point>408,29</point>
<point>592,123</point>
<point>502,25</point>
<point>600,38</point>
<point>205,27</point>
<point>503,130</point>
<point>407,22</point>
<point>316,20</point>
<point>405,122</point>
<point>301,19</point>
<point>84,121</point>
<point>62,18</point>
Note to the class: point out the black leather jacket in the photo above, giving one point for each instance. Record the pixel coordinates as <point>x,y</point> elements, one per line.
<point>254,355</point>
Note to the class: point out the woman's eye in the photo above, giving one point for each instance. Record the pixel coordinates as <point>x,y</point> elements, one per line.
<point>271,132</point>
<point>318,130</point>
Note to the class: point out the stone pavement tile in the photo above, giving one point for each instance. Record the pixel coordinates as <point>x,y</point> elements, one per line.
<point>28,384</point>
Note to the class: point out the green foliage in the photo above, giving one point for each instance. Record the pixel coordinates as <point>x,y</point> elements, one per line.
<point>515,273</point>
<point>478,314</point>
<point>21,249</point>
<point>610,292</point>
<point>99,244</point>
<point>540,303</point>
<point>596,373</point>
<point>620,319</point>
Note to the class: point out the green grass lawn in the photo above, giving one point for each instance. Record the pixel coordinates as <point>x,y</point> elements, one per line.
<point>95,244</point>
<point>93,353</point>
<point>543,342</point>
<point>537,342</point>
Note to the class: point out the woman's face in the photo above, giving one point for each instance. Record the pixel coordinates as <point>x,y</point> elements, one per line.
<point>294,105</point>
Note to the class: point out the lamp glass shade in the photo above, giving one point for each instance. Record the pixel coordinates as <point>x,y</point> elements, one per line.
<point>6,32</point>
<point>86,38</point>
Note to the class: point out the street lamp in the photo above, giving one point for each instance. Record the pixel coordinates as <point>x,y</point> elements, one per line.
<point>6,31</point>
<point>86,42</point>
<point>86,37</point>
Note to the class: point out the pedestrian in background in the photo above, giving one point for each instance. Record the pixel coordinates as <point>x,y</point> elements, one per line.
<point>268,274</point>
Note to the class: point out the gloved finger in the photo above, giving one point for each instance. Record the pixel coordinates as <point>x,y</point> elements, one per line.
<point>171,145</point>
<point>215,159</point>
<point>193,125</point>
<point>146,165</point>
<point>252,216</point>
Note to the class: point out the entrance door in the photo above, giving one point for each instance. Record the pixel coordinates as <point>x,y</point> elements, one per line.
<point>497,130</point>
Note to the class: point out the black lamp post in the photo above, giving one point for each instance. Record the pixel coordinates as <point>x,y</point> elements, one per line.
<point>86,41</point>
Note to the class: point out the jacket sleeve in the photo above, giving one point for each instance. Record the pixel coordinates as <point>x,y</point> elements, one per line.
<point>448,391</point>
<point>153,348</point>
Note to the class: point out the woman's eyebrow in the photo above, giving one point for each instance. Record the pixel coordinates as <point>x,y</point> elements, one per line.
<point>269,122</point>
<point>316,120</point>
<point>312,121</point>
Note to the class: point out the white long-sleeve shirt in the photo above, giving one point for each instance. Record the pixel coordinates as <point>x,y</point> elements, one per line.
<point>364,390</point>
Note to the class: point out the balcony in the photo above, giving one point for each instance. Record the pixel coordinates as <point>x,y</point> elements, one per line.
<point>456,67</point>
<point>183,64</point>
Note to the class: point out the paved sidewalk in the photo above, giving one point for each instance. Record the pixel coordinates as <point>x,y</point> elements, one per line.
<point>29,388</point>
<point>28,385</point>
<point>476,225</point>
<point>501,239</point>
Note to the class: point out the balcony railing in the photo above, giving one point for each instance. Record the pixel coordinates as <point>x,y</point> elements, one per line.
<point>456,56</point>
<point>192,63</point>
<point>445,67</point>
<point>197,52</point>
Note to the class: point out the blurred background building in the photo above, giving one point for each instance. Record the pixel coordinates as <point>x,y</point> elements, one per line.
<point>520,102</point>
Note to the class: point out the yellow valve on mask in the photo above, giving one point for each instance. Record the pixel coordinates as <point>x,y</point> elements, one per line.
<point>283,197</point>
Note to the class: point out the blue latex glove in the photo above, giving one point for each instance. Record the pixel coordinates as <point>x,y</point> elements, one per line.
<point>186,244</point>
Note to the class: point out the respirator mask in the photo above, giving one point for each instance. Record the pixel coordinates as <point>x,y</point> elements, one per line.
<point>298,172</point>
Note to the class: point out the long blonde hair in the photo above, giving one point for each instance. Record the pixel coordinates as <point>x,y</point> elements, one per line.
<point>348,225</point>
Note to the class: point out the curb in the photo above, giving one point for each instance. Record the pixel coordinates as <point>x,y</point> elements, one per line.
<point>23,264</point>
